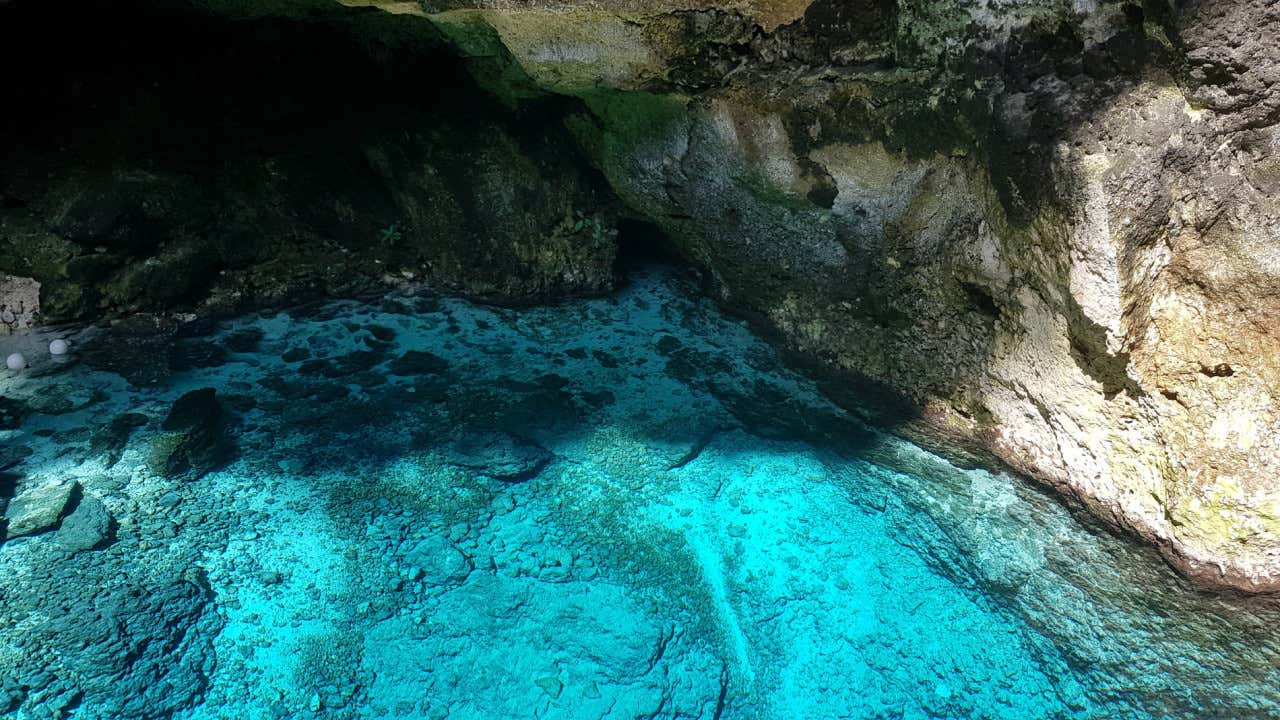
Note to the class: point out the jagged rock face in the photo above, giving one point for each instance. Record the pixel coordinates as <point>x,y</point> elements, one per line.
<point>1049,227</point>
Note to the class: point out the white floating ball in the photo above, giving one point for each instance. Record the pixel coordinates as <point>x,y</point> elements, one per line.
<point>58,347</point>
<point>15,361</point>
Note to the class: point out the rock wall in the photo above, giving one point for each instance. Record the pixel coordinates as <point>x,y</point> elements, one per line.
<point>1045,229</point>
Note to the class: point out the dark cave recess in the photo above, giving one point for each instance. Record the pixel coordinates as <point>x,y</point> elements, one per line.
<point>160,157</point>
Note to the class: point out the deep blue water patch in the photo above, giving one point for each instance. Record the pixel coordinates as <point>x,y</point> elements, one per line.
<point>614,508</point>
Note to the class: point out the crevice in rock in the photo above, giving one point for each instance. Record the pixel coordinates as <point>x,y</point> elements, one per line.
<point>1217,371</point>
<point>1088,342</point>
<point>981,299</point>
<point>642,244</point>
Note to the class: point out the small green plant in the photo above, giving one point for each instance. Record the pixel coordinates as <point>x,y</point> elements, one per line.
<point>391,234</point>
<point>596,230</point>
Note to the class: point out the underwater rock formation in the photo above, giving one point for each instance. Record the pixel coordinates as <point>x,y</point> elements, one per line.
<point>194,438</point>
<point>1044,230</point>
<point>38,509</point>
<point>122,647</point>
<point>698,533</point>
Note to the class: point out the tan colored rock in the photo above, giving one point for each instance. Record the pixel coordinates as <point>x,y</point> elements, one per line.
<point>39,508</point>
<point>19,303</point>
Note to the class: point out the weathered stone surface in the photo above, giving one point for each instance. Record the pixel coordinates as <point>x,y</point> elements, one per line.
<point>88,527</point>
<point>19,303</point>
<point>139,348</point>
<point>418,362</point>
<point>115,216</point>
<point>40,507</point>
<point>194,438</point>
<point>124,646</point>
<point>436,561</point>
<point>498,455</point>
<point>1050,228</point>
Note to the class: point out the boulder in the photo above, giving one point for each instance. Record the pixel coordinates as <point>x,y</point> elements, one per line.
<point>88,527</point>
<point>418,362</point>
<point>436,561</point>
<point>39,508</point>
<point>132,648</point>
<point>194,438</point>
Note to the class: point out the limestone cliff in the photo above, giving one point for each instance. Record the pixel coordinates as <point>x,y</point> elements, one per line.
<point>1044,228</point>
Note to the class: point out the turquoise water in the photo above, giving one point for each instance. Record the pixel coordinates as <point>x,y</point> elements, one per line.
<point>616,508</point>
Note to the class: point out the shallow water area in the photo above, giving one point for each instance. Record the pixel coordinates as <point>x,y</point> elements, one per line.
<point>612,508</point>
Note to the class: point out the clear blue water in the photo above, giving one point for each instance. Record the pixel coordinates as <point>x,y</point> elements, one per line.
<point>615,508</point>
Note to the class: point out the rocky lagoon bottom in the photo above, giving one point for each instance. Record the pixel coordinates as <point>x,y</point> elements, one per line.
<point>614,508</point>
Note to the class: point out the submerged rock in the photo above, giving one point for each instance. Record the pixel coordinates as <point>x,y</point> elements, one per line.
<point>418,362</point>
<point>88,527</point>
<point>64,398</point>
<point>194,438</point>
<point>127,649</point>
<point>498,455</point>
<point>19,307</point>
<point>109,441</point>
<point>243,341</point>
<point>436,561</point>
<point>678,559</point>
<point>39,508</point>
<point>12,412</point>
<point>138,348</point>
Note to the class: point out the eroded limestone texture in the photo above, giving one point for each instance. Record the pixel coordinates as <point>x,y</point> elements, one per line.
<point>19,303</point>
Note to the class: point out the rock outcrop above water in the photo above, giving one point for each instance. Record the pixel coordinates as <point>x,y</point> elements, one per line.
<point>1045,229</point>
<point>247,168</point>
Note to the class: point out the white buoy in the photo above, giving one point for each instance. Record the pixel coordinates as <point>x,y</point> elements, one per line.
<point>58,347</point>
<point>15,362</point>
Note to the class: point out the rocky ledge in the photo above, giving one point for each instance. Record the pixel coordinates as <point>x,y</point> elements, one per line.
<point>1043,230</point>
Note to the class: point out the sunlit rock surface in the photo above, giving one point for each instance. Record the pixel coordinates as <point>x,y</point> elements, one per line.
<point>613,508</point>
